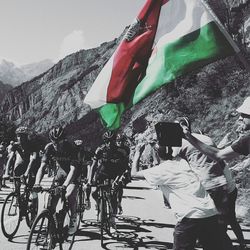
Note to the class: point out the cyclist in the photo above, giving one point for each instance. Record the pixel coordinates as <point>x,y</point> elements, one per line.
<point>64,154</point>
<point>3,156</point>
<point>24,157</point>
<point>126,176</point>
<point>85,160</point>
<point>108,163</point>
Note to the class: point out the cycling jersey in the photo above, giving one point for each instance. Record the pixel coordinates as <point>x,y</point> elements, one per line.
<point>23,154</point>
<point>113,161</point>
<point>64,155</point>
<point>84,158</point>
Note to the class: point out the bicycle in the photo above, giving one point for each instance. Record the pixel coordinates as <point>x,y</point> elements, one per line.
<point>81,198</point>
<point>17,205</point>
<point>50,228</point>
<point>105,213</point>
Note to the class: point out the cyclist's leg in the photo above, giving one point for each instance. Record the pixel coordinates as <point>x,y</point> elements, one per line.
<point>19,170</point>
<point>119,197</point>
<point>114,200</point>
<point>71,194</point>
<point>95,197</point>
<point>34,195</point>
<point>87,200</point>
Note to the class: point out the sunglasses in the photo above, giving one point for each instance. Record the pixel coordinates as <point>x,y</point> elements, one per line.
<point>245,116</point>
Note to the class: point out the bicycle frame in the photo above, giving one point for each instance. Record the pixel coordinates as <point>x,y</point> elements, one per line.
<point>105,209</point>
<point>22,196</point>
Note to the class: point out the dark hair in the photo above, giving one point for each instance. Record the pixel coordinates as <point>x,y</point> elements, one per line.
<point>163,154</point>
<point>185,121</point>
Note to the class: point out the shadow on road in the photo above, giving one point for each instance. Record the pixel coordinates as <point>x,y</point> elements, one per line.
<point>138,188</point>
<point>132,197</point>
<point>128,236</point>
<point>20,239</point>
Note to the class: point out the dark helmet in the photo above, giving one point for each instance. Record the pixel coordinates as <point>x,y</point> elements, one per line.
<point>22,130</point>
<point>108,136</point>
<point>56,133</point>
<point>121,137</point>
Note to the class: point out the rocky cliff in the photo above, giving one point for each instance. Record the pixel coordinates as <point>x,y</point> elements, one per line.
<point>56,96</point>
<point>4,88</point>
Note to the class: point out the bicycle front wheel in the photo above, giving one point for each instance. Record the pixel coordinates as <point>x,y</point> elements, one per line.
<point>31,211</point>
<point>10,216</point>
<point>42,234</point>
<point>81,204</point>
<point>105,219</point>
<point>67,239</point>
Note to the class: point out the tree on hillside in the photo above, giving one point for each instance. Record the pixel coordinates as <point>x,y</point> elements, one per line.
<point>7,130</point>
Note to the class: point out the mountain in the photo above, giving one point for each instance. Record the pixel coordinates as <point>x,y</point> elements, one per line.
<point>4,88</point>
<point>209,96</point>
<point>34,69</point>
<point>56,96</point>
<point>13,75</point>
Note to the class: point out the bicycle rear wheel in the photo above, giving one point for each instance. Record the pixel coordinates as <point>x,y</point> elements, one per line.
<point>42,234</point>
<point>10,216</point>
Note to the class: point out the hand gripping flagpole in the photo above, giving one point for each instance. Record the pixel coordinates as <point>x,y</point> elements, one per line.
<point>226,34</point>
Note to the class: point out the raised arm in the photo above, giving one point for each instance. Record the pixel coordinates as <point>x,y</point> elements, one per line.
<point>212,152</point>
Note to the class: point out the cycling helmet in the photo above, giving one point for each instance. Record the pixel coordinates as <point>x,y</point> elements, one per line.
<point>120,137</point>
<point>78,142</point>
<point>22,130</point>
<point>56,133</point>
<point>108,136</point>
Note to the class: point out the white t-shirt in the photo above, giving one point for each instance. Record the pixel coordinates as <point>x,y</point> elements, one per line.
<point>210,172</point>
<point>182,188</point>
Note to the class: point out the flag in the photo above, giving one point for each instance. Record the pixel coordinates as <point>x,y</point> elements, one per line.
<point>169,38</point>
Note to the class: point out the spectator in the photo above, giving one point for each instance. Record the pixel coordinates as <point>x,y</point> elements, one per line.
<point>195,210</point>
<point>239,147</point>
<point>210,174</point>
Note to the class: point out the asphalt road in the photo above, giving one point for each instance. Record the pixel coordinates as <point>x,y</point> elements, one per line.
<point>145,224</point>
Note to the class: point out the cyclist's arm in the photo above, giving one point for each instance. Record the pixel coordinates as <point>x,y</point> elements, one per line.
<point>8,164</point>
<point>32,161</point>
<point>91,170</point>
<point>71,175</point>
<point>40,173</point>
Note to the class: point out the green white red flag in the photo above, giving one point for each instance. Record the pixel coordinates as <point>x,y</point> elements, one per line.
<point>169,38</point>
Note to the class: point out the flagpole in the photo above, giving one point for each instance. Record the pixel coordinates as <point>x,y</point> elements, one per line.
<point>226,34</point>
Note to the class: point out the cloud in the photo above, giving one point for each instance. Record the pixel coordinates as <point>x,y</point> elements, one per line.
<point>73,42</point>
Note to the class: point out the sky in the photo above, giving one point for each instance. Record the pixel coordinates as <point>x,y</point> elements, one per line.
<point>34,30</point>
